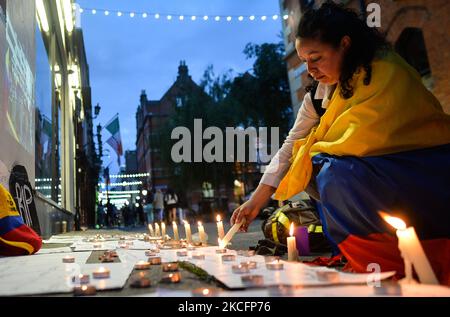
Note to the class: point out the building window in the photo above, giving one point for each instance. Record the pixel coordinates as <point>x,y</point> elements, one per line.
<point>179,101</point>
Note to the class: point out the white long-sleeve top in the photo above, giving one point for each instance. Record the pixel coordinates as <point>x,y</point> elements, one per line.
<point>307,118</point>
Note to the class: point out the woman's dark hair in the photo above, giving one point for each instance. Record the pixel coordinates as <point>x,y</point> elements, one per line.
<point>329,24</point>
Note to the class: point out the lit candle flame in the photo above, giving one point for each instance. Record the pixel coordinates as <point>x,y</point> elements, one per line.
<point>291,230</point>
<point>205,291</point>
<point>218,218</point>
<point>199,223</point>
<point>84,287</point>
<point>395,222</point>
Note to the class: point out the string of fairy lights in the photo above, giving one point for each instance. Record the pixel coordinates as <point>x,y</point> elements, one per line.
<point>180,17</point>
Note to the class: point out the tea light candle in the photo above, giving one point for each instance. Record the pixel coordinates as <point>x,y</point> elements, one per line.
<point>68,259</point>
<point>271,258</point>
<point>328,276</point>
<point>81,279</point>
<point>250,264</point>
<point>187,229</point>
<point>190,248</point>
<point>231,233</point>
<point>163,230</point>
<point>157,232</point>
<point>275,265</point>
<point>176,236</point>
<point>156,250</point>
<point>142,265</point>
<point>150,253</point>
<point>228,257</point>
<point>155,260</point>
<point>221,248</point>
<point>252,280</point>
<point>247,253</point>
<point>84,290</point>
<point>240,269</point>
<point>141,281</point>
<point>412,252</point>
<point>171,278</point>
<point>201,233</point>
<point>101,272</point>
<point>220,230</point>
<point>291,245</point>
<point>198,256</point>
<point>182,253</point>
<point>205,292</point>
<point>170,267</point>
<point>150,230</point>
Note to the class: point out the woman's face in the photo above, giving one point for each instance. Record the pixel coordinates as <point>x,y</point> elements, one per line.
<point>323,61</point>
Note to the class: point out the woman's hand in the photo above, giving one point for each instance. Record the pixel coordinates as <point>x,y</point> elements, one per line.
<point>250,209</point>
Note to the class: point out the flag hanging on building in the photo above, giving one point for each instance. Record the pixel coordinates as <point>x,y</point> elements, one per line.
<point>115,140</point>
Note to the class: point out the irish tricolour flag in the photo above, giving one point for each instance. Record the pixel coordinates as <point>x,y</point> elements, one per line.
<point>115,141</point>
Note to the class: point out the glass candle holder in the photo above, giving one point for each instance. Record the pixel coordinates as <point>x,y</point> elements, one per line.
<point>174,277</point>
<point>154,260</point>
<point>170,267</point>
<point>240,269</point>
<point>80,279</point>
<point>140,281</point>
<point>101,272</point>
<point>142,265</point>
<point>228,257</point>
<point>84,290</point>
<point>250,264</point>
<point>182,253</point>
<point>252,280</point>
<point>68,259</point>
<point>328,276</point>
<point>275,265</point>
<point>198,256</point>
<point>205,292</point>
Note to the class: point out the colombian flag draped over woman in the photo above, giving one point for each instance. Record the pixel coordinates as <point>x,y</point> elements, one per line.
<point>385,148</point>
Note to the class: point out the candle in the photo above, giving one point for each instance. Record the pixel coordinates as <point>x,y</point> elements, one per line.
<point>271,258</point>
<point>228,257</point>
<point>201,233</point>
<point>142,265</point>
<point>205,292</point>
<point>174,277</point>
<point>412,252</point>
<point>250,264</point>
<point>275,265</point>
<point>291,245</point>
<point>157,232</point>
<point>101,272</point>
<point>246,253</point>
<point>141,281</point>
<point>187,229</point>
<point>163,230</point>
<point>220,230</point>
<point>239,269</point>
<point>105,258</point>
<point>190,247</point>
<point>182,253</point>
<point>221,249</point>
<point>68,259</point>
<point>150,230</point>
<point>84,290</point>
<point>81,279</point>
<point>154,260</point>
<point>198,256</point>
<point>252,280</point>
<point>328,276</point>
<point>150,253</point>
<point>170,267</point>
<point>231,233</point>
<point>175,231</point>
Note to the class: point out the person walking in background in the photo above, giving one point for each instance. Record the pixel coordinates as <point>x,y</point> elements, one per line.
<point>158,205</point>
<point>171,200</point>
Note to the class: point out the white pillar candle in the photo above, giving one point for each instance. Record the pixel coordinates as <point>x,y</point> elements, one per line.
<point>220,230</point>
<point>411,251</point>
<point>150,230</point>
<point>157,232</point>
<point>231,233</point>
<point>176,236</point>
<point>201,233</point>
<point>187,229</point>
<point>163,229</point>
<point>291,245</point>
